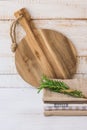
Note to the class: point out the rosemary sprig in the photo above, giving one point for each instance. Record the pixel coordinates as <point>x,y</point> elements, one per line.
<point>59,87</point>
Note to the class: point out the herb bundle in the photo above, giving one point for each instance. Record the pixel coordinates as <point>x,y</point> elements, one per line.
<point>59,87</point>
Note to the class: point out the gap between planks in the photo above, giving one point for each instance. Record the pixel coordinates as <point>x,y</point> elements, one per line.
<point>75,19</point>
<point>76,31</point>
<point>7,65</point>
<point>15,81</point>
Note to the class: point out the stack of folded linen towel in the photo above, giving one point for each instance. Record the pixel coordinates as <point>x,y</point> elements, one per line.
<point>61,104</point>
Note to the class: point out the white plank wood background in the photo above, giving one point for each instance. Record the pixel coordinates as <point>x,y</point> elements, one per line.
<point>21,108</point>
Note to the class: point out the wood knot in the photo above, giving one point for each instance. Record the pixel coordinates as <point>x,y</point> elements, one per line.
<point>37,54</point>
<point>13,47</point>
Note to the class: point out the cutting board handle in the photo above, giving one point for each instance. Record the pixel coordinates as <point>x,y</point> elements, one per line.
<point>23,12</point>
<point>24,20</point>
<point>32,42</point>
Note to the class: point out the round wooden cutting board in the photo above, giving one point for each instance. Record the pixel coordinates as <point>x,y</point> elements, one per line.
<point>43,51</point>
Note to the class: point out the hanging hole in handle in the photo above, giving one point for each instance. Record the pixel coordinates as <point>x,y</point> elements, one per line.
<point>24,13</point>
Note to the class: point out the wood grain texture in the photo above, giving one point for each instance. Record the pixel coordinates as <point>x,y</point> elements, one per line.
<point>76,31</point>
<point>43,52</point>
<point>41,9</point>
<point>70,28</point>
<point>7,65</point>
<point>16,112</point>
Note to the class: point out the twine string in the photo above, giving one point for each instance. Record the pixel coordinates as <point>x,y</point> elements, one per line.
<point>13,34</point>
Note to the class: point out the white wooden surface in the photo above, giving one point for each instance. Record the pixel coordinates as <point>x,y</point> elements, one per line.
<point>21,108</point>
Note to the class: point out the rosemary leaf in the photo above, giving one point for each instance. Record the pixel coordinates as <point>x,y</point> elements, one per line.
<point>59,87</point>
